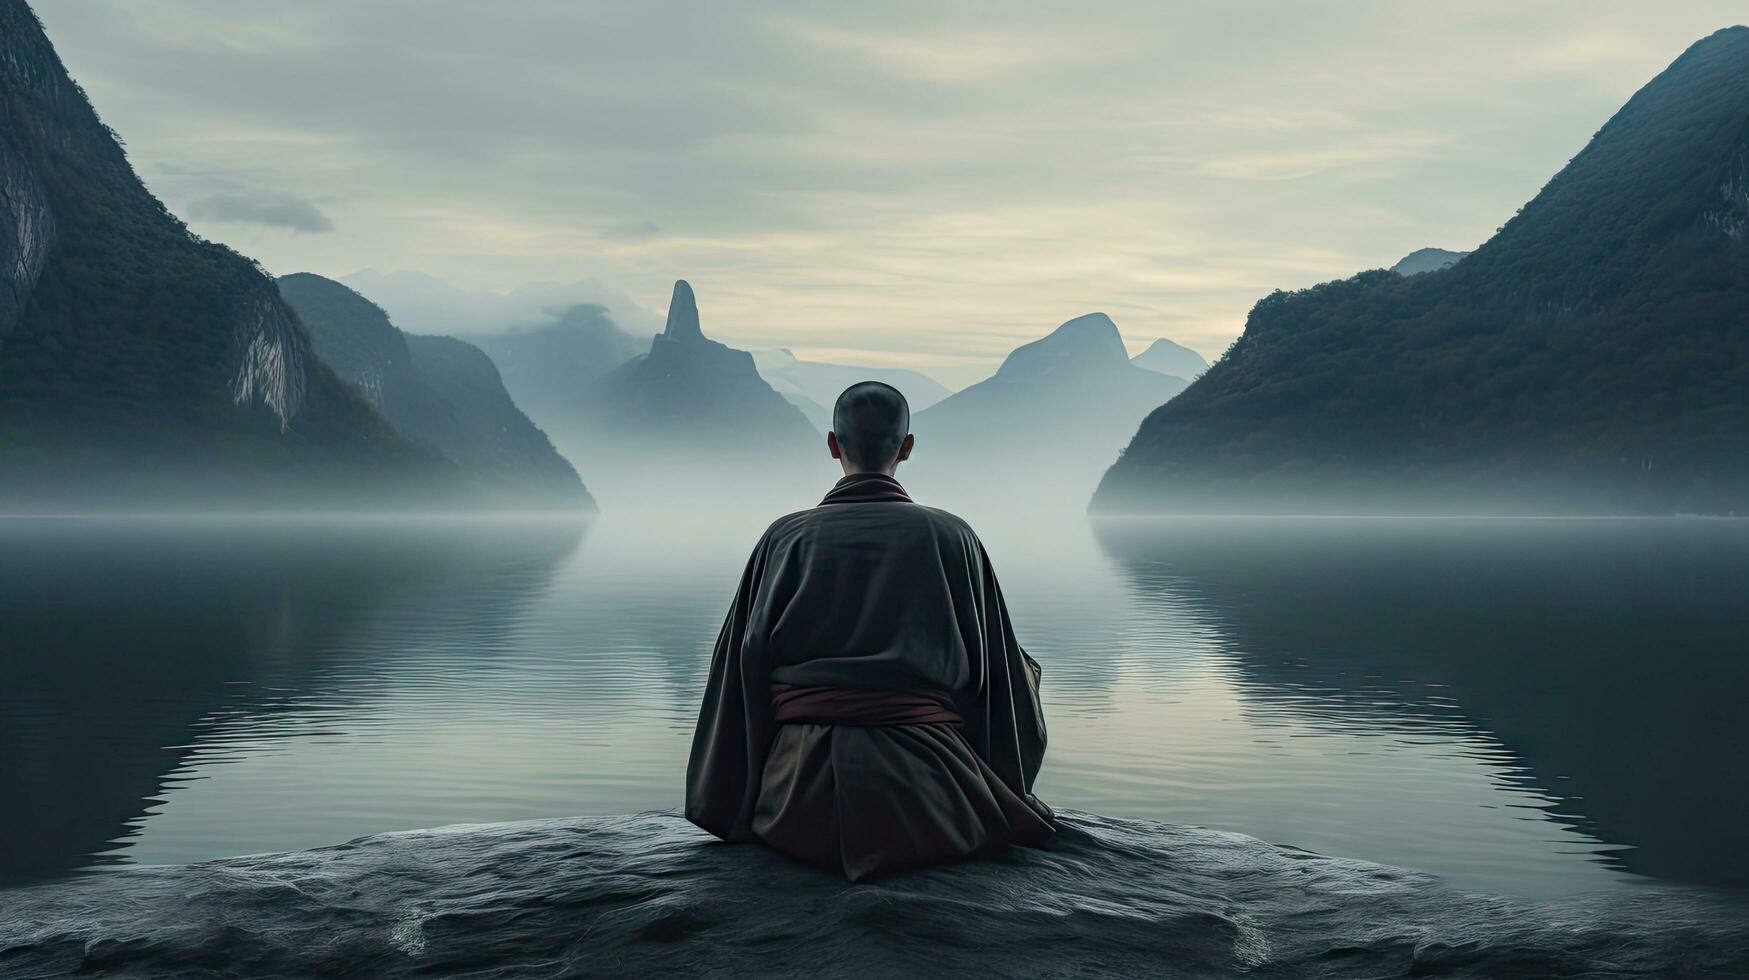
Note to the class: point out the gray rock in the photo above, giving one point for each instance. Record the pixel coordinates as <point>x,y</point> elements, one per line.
<point>649,895</point>
<point>27,229</point>
<point>683,314</point>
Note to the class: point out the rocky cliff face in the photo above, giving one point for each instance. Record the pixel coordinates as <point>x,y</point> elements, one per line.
<point>1729,211</point>
<point>27,224</point>
<point>649,895</point>
<point>138,361</point>
<point>269,355</point>
<point>48,119</point>
<point>27,228</point>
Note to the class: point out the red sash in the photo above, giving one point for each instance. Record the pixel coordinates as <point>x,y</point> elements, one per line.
<point>863,706</point>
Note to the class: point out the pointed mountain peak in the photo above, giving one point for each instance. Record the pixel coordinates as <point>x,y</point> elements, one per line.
<point>1084,341</point>
<point>682,314</point>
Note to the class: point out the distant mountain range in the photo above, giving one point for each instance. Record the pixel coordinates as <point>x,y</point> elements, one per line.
<point>1169,358</point>
<point>691,393</point>
<point>1592,357</point>
<point>688,409</point>
<point>141,366</point>
<point>814,386</point>
<point>439,391</point>
<point>548,367</point>
<point>1047,423</point>
<point>1426,260</point>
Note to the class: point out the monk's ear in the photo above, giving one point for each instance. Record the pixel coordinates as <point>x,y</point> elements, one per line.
<point>905,448</point>
<point>832,445</point>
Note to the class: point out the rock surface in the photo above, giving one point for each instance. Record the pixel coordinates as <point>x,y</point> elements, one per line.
<point>649,895</point>
<point>682,314</point>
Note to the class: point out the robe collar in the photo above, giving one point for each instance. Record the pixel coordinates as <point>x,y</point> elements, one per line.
<point>864,488</point>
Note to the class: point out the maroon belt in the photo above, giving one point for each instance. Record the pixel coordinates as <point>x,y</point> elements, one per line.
<point>863,706</point>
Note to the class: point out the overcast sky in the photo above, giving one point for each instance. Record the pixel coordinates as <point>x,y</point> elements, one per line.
<point>918,184</point>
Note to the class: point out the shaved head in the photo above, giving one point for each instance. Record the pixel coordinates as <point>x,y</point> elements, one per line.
<point>871,421</point>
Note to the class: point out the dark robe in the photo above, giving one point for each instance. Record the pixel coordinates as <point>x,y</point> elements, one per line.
<point>898,603</point>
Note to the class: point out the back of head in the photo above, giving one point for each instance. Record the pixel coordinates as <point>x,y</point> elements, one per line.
<point>871,421</point>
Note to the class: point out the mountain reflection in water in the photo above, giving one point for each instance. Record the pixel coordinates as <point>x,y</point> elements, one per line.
<point>1538,707</point>
<point>1603,659</point>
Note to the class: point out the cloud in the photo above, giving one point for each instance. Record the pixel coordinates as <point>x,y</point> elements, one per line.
<point>1294,163</point>
<point>934,181</point>
<point>267,208</point>
<point>979,55</point>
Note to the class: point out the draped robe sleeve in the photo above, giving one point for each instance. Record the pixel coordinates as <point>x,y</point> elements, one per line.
<point>998,696</point>
<point>1005,720</point>
<point>734,723</point>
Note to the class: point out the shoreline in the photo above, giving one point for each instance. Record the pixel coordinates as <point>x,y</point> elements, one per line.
<point>645,893</point>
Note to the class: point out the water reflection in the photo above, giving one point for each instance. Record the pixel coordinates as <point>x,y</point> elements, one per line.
<point>138,652</point>
<point>1509,704</point>
<point>1597,664</point>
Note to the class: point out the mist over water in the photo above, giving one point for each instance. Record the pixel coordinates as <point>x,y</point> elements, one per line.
<point>1516,705</point>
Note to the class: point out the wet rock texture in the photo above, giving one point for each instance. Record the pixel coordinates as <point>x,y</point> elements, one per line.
<point>649,895</point>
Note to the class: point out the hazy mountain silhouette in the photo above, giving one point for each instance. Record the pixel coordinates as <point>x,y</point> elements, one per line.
<point>814,386</point>
<point>1533,632</point>
<point>547,367</point>
<point>240,621</point>
<point>141,366</point>
<point>649,425</point>
<point>1055,413</point>
<point>440,391</point>
<point>1426,260</point>
<point>1172,359</point>
<point>1593,356</point>
<point>817,414</point>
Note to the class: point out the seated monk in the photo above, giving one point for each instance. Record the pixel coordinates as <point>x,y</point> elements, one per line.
<point>868,708</point>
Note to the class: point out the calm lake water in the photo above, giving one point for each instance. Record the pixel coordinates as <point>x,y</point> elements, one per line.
<point>1539,707</point>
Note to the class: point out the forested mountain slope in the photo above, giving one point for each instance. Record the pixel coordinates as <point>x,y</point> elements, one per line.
<point>439,391</point>
<point>141,366</point>
<point>1592,357</point>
